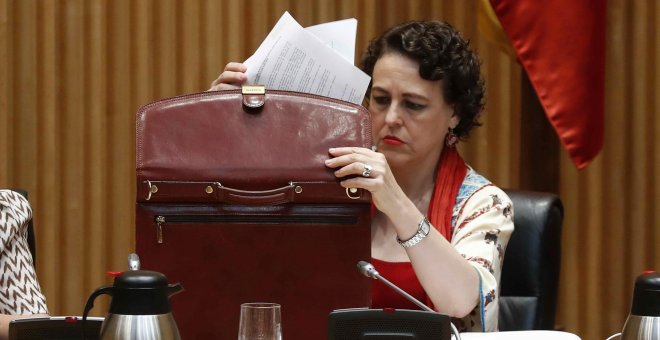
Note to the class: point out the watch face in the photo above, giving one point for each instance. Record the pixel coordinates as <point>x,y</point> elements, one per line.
<point>426,226</point>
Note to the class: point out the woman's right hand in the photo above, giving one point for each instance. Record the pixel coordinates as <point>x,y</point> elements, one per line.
<point>231,78</point>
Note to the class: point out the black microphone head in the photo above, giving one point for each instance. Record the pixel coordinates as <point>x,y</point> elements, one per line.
<point>367,269</point>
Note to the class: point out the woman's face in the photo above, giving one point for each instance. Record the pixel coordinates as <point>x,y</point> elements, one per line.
<point>409,115</point>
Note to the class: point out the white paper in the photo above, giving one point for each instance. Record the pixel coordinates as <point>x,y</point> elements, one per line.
<point>292,58</point>
<point>338,35</point>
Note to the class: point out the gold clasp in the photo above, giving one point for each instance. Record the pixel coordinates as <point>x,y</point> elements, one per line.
<point>152,189</point>
<point>350,192</point>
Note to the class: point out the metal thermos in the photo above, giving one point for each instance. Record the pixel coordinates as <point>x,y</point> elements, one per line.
<point>643,323</point>
<point>140,307</point>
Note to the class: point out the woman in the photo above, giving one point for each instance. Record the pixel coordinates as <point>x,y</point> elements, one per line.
<point>439,230</point>
<point>20,294</point>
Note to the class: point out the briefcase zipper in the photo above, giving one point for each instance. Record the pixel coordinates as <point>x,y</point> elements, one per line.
<point>256,219</point>
<point>160,220</point>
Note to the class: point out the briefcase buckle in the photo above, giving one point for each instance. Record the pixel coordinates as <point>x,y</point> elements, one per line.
<point>254,96</point>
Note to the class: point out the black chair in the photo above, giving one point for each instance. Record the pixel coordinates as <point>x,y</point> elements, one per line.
<point>530,272</point>
<point>30,235</point>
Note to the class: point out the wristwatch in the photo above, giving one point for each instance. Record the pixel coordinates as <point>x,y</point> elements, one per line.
<point>423,229</point>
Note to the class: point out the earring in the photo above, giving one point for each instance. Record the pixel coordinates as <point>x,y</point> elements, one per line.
<point>451,139</point>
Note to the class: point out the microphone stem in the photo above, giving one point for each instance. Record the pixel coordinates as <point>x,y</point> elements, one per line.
<point>406,295</point>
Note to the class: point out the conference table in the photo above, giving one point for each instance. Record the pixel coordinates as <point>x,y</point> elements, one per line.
<point>41,325</point>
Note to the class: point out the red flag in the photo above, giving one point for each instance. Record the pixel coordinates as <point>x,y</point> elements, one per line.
<point>561,45</point>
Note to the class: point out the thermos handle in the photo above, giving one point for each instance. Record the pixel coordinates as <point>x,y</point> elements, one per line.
<point>90,304</point>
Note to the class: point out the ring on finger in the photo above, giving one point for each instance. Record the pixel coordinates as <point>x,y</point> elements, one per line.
<point>366,172</point>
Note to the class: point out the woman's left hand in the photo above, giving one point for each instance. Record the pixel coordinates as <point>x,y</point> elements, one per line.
<point>373,174</point>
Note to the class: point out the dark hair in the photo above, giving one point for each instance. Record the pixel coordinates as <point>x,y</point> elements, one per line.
<point>442,54</point>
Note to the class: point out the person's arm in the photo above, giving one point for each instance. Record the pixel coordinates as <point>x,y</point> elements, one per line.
<point>6,319</point>
<point>16,210</point>
<point>483,229</point>
<point>464,275</point>
<point>449,280</point>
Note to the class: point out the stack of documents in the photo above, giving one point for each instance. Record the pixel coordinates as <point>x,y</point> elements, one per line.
<point>316,59</point>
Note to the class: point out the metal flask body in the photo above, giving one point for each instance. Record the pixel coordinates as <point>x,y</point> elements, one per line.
<point>139,327</point>
<point>140,307</point>
<point>643,323</point>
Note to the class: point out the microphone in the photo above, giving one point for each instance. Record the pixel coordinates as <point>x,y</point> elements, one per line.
<point>368,270</point>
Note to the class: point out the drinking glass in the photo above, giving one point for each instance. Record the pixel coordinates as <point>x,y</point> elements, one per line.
<point>260,321</point>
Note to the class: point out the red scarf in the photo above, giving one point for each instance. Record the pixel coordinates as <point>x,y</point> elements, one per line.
<point>451,173</point>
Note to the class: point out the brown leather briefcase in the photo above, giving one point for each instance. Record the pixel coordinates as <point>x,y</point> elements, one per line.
<point>234,201</point>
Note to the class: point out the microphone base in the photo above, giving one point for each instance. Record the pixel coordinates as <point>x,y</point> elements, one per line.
<point>388,323</point>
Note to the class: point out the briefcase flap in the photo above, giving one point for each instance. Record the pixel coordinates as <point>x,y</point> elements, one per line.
<point>224,146</point>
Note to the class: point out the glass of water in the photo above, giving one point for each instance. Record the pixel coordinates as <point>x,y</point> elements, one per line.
<point>260,321</point>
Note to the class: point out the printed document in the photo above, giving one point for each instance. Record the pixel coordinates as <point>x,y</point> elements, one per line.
<point>317,60</point>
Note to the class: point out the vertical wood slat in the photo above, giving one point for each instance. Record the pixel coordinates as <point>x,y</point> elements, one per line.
<point>142,49</point>
<point>190,47</point>
<point>98,185</point>
<point>254,32</point>
<point>47,199</point>
<point>617,277</point>
<point>571,285</point>
<point>234,32</point>
<point>594,242</point>
<point>165,49</point>
<point>638,112</point>
<point>650,14</point>
<point>5,54</point>
<point>212,40</point>
<point>648,88</point>
<point>73,159</point>
<point>325,12</point>
<point>24,82</point>
<point>656,124</point>
<point>122,134</point>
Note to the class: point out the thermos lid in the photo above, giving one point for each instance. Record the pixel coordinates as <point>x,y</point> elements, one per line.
<point>140,279</point>
<point>141,292</point>
<point>646,297</point>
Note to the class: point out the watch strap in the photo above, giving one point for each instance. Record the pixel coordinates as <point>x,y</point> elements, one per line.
<point>423,229</point>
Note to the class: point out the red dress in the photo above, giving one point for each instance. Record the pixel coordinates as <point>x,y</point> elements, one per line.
<point>403,276</point>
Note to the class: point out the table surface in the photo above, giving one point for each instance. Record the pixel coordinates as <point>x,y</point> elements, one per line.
<point>520,335</point>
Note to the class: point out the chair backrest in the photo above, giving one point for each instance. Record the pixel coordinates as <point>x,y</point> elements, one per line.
<point>530,272</point>
<point>30,235</point>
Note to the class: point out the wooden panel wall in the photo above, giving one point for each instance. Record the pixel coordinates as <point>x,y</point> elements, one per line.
<point>74,72</point>
<point>612,209</point>
<point>4,117</point>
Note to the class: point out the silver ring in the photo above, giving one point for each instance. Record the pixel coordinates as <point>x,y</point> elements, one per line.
<point>367,170</point>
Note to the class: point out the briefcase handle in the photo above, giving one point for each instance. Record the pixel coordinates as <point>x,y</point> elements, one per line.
<point>293,192</point>
<point>266,197</point>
